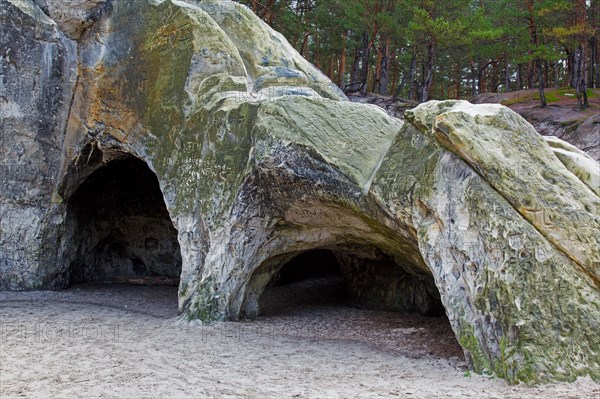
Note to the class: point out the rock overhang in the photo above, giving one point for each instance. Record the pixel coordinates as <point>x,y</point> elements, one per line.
<point>258,155</point>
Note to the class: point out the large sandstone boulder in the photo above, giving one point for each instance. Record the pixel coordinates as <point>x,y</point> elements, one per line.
<point>576,161</point>
<point>255,157</point>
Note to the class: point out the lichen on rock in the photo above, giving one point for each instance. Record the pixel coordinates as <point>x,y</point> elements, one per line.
<point>259,157</point>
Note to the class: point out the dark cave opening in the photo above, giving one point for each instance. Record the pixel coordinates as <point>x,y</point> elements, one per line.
<point>310,279</point>
<point>358,293</point>
<point>318,263</point>
<point>121,228</point>
<point>360,276</point>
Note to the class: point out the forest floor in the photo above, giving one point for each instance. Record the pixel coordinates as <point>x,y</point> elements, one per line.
<point>561,118</point>
<point>555,96</point>
<point>117,340</point>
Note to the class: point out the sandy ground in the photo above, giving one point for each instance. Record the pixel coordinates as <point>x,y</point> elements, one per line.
<point>126,341</point>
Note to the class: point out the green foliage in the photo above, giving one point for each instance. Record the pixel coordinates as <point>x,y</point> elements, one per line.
<point>552,96</point>
<point>477,44</point>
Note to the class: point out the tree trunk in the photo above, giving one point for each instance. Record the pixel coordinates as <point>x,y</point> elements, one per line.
<point>597,59</point>
<point>593,60</point>
<point>271,15</point>
<point>494,80</point>
<point>385,67</point>
<point>330,68</point>
<point>473,80</point>
<point>543,103</point>
<point>317,58</point>
<point>580,82</point>
<point>580,55</point>
<point>594,17</point>
<point>428,72</point>
<point>519,77</point>
<point>458,82</point>
<point>397,72</point>
<point>400,87</point>
<point>531,75</point>
<point>506,73</point>
<point>411,74</point>
<point>342,64</point>
<point>480,79</point>
<point>537,62</point>
<point>355,66</point>
<point>365,63</point>
<point>304,49</point>
<point>572,68</point>
<point>377,74</point>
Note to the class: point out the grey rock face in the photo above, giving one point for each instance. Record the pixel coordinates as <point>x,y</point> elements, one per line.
<point>73,17</point>
<point>38,71</point>
<point>121,227</point>
<point>169,138</point>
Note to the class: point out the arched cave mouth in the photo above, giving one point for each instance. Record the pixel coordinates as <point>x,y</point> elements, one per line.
<point>318,263</point>
<point>121,229</point>
<point>363,276</point>
<point>357,292</point>
<point>311,278</point>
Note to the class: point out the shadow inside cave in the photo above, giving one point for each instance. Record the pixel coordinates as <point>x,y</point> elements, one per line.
<point>310,298</point>
<point>119,228</point>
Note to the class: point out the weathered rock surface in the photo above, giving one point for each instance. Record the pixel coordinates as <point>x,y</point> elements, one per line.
<point>393,107</point>
<point>259,157</point>
<point>38,71</point>
<point>576,161</point>
<point>560,118</point>
<point>563,120</point>
<point>584,133</point>
<point>554,200</point>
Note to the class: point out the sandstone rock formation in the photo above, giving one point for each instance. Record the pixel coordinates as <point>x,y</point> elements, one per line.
<point>576,161</point>
<point>560,118</point>
<point>259,157</point>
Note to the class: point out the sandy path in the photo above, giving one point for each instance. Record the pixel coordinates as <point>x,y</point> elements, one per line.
<point>123,341</point>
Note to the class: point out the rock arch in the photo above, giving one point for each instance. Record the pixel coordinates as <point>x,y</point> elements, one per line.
<point>117,226</point>
<point>373,279</point>
<point>259,155</point>
<point>319,262</point>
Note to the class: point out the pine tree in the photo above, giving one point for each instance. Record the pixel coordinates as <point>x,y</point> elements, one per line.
<point>424,49</point>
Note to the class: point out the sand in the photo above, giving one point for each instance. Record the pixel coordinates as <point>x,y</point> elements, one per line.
<point>125,341</point>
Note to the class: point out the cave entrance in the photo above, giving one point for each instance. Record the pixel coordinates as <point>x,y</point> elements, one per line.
<point>121,228</point>
<point>366,277</point>
<point>309,279</point>
<point>318,263</point>
<point>358,292</point>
